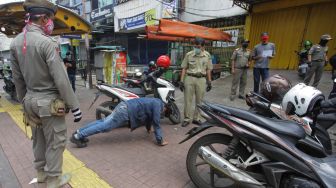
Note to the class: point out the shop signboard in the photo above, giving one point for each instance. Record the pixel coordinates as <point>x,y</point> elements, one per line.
<point>102,13</point>
<point>117,2</point>
<point>169,8</point>
<point>234,33</point>
<point>138,21</point>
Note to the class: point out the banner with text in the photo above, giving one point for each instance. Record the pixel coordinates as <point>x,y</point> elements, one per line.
<point>138,21</point>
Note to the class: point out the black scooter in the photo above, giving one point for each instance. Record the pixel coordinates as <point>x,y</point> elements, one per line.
<point>262,106</point>
<point>257,152</point>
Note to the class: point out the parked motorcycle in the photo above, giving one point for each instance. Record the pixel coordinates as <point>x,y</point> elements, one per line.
<point>262,106</point>
<point>258,152</point>
<point>163,90</point>
<point>303,59</point>
<point>140,80</point>
<point>9,86</point>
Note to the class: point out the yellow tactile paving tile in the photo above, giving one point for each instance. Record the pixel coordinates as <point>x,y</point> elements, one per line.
<point>82,177</point>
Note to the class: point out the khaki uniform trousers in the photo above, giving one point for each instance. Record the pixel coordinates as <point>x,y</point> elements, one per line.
<point>193,86</point>
<point>49,136</point>
<point>239,77</point>
<point>317,69</point>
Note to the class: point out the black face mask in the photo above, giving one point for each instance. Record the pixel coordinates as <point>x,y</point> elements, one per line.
<point>244,45</point>
<point>323,42</point>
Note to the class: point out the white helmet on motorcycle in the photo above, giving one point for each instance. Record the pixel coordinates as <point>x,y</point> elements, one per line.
<point>301,99</point>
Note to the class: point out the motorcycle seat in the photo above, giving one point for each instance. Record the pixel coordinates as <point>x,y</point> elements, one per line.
<point>282,127</point>
<point>138,91</point>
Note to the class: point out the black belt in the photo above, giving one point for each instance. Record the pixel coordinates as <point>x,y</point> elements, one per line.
<point>196,75</point>
<point>319,60</point>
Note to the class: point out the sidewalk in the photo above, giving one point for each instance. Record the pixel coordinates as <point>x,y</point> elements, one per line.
<point>121,158</point>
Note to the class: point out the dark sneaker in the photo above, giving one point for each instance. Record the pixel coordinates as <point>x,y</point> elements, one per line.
<point>86,140</point>
<point>185,123</point>
<point>78,142</point>
<point>197,122</point>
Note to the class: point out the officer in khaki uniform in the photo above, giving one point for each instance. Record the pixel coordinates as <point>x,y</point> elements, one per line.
<point>241,60</point>
<point>195,79</point>
<point>44,90</point>
<point>317,59</point>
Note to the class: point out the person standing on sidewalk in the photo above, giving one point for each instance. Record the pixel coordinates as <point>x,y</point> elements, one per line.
<point>317,59</point>
<point>241,60</point>
<point>70,65</point>
<point>262,53</point>
<point>43,88</point>
<point>134,112</point>
<point>195,79</point>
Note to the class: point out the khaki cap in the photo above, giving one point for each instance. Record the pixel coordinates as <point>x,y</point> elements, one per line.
<point>244,41</point>
<point>39,7</point>
<point>326,37</point>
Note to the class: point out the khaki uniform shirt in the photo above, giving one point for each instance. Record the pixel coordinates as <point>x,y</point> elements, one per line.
<point>40,70</point>
<point>241,57</point>
<point>197,63</point>
<point>318,53</point>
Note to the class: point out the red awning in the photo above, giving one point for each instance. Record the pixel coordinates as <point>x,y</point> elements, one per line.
<point>169,30</point>
<point>187,30</point>
<point>152,34</point>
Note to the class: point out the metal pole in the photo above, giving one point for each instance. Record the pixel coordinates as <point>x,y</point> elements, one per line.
<point>87,47</point>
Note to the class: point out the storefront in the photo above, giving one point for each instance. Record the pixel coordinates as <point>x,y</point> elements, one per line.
<point>289,23</point>
<point>131,18</point>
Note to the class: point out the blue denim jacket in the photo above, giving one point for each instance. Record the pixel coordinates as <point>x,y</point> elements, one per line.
<point>145,111</point>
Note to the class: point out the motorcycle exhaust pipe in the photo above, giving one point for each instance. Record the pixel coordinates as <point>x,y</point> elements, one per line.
<point>224,166</point>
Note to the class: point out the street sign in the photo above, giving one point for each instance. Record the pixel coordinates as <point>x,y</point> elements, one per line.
<point>72,36</point>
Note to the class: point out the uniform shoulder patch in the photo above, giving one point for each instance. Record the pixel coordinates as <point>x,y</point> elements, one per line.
<point>190,53</point>
<point>207,53</point>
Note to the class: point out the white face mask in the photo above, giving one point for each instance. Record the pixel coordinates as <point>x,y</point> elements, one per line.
<point>197,51</point>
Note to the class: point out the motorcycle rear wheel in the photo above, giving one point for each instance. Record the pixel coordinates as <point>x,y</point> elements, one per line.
<point>107,104</point>
<point>175,115</point>
<point>204,178</point>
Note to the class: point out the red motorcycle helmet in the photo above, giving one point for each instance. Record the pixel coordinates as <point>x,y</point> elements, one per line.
<point>163,61</point>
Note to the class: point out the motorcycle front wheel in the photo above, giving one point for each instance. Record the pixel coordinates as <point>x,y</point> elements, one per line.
<point>175,115</point>
<point>110,105</point>
<point>200,172</point>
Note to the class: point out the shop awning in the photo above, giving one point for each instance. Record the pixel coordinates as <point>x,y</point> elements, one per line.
<point>152,34</point>
<point>66,21</point>
<point>177,30</point>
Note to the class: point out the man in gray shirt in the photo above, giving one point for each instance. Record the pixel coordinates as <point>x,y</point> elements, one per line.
<point>262,53</point>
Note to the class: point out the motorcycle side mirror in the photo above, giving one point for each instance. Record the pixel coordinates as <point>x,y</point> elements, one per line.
<point>262,98</point>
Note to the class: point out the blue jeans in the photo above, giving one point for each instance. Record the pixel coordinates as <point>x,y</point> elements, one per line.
<point>118,118</point>
<point>72,79</point>
<point>257,72</point>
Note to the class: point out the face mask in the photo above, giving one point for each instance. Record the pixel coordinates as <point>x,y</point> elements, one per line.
<point>48,27</point>
<point>323,42</point>
<point>244,45</point>
<point>264,39</point>
<point>197,51</point>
